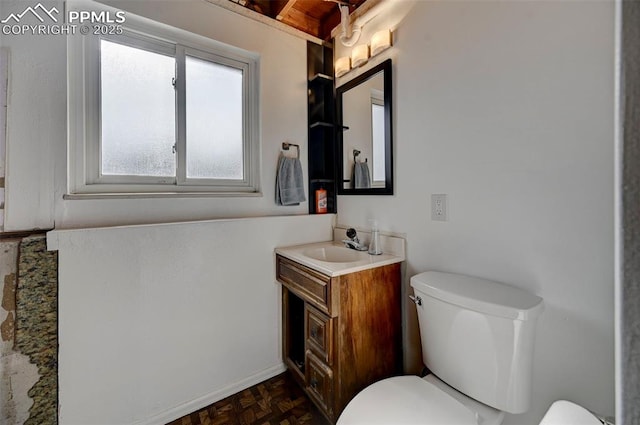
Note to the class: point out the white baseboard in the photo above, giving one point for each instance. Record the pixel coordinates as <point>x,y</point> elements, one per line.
<point>207,399</point>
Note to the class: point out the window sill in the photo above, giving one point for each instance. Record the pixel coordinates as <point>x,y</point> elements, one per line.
<point>163,195</point>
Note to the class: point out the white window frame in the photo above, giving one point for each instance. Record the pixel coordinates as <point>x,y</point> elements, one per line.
<point>83,58</point>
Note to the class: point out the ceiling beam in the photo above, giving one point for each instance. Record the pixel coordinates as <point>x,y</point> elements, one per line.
<point>285,10</point>
<point>302,21</point>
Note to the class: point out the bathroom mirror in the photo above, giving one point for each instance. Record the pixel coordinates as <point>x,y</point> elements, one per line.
<point>364,133</point>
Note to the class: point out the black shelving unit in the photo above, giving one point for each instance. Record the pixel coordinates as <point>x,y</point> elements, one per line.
<point>321,118</point>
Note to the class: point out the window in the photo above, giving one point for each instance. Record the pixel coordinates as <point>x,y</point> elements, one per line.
<point>213,118</point>
<point>378,138</point>
<point>137,112</point>
<point>158,111</point>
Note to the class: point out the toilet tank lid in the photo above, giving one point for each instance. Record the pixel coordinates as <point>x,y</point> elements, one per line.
<point>484,296</point>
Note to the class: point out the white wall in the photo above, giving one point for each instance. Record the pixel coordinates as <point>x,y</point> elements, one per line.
<point>36,124</point>
<point>158,321</point>
<point>36,117</point>
<point>507,107</point>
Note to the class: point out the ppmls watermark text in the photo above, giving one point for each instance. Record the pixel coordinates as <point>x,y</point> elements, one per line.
<point>39,20</point>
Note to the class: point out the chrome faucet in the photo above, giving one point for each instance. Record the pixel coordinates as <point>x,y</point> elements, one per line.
<point>353,242</point>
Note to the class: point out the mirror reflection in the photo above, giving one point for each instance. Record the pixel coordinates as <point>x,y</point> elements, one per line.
<point>363,140</point>
<point>364,111</point>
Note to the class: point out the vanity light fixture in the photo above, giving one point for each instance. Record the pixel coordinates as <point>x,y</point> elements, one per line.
<point>343,65</point>
<point>359,55</point>
<point>380,41</point>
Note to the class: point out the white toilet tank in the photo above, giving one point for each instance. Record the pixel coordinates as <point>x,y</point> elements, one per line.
<point>478,336</point>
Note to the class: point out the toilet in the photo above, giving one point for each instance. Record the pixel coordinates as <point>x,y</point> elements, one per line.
<point>477,340</point>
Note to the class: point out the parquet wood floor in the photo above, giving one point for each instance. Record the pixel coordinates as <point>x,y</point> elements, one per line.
<point>277,401</point>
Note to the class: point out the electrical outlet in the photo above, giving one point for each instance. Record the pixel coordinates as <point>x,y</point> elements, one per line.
<point>439,207</point>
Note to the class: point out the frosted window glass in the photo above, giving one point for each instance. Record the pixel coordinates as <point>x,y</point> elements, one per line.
<point>138,111</point>
<point>377,136</point>
<point>214,120</point>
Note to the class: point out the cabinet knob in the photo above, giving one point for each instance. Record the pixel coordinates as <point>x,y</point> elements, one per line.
<point>314,383</point>
<point>314,333</point>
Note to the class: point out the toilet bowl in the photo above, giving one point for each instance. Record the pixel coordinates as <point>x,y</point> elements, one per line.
<point>477,340</point>
<point>413,400</point>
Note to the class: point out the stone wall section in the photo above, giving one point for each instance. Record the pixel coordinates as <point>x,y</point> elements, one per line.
<point>28,332</point>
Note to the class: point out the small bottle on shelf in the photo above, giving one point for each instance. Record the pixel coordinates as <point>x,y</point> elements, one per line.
<point>321,200</point>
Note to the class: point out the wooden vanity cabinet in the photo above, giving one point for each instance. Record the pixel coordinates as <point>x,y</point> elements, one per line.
<point>340,334</point>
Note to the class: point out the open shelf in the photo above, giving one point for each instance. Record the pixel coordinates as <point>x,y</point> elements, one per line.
<point>320,78</point>
<point>322,128</point>
<point>322,124</point>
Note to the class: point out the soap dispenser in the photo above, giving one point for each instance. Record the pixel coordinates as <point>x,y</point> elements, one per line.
<point>374,243</point>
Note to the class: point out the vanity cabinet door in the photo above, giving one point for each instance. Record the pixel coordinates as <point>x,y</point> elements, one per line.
<point>319,334</point>
<point>320,383</point>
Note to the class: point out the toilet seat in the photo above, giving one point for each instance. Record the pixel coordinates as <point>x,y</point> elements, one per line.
<point>411,400</point>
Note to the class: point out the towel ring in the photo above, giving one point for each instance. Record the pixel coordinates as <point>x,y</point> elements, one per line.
<point>356,152</point>
<point>287,145</point>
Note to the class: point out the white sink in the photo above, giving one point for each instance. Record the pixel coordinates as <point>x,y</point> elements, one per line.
<point>334,259</point>
<point>335,254</point>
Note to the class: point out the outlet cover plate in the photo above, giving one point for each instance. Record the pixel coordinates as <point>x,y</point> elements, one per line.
<point>439,207</point>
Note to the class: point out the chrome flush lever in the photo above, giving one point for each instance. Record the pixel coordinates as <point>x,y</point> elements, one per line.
<point>416,300</point>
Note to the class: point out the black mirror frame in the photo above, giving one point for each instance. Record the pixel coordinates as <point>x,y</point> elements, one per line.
<point>388,136</point>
